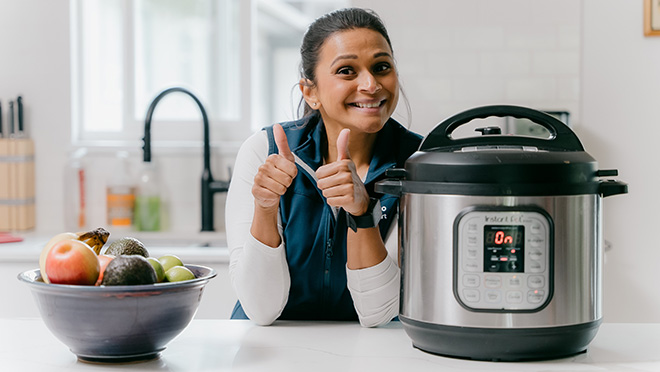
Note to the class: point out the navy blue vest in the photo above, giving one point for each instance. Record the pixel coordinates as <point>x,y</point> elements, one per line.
<point>315,240</point>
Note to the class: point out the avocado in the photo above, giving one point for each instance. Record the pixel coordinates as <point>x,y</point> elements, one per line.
<point>129,270</point>
<point>127,246</point>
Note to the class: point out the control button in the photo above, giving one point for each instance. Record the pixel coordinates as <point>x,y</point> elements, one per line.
<point>494,267</point>
<point>513,281</point>
<point>536,228</point>
<point>536,241</point>
<point>492,281</point>
<point>514,297</point>
<point>471,265</point>
<point>535,296</point>
<point>472,227</point>
<point>535,254</point>
<point>471,280</point>
<point>472,252</point>
<point>472,240</point>
<point>536,281</point>
<point>535,266</point>
<point>512,266</point>
<point>493,297</point>
<point>471,295</point>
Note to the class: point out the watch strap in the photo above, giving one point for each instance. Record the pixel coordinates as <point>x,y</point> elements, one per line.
<point>368,220</point>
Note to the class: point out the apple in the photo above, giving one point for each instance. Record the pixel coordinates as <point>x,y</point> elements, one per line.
<point>47,247</point>
<point>104,260</point>
<point>72,262</point>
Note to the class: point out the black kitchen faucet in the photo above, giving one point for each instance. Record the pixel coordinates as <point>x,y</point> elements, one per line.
<point>209,186</point>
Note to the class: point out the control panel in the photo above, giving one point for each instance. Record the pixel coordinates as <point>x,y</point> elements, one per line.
<point>503,259</point>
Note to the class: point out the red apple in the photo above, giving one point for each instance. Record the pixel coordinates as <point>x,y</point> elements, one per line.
<point>104,260</point>
<point>72,262</point>
<point>47,247</point>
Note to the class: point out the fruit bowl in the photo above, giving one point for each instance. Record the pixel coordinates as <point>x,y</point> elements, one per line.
<point>118,323</point>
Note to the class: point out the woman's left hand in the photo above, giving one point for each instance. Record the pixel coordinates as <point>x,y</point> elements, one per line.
<point>340,182</point>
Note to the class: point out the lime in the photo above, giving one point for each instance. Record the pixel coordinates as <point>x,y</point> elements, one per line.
<point>178,274</point>
<point>169,261</point>
<point>158,268</point>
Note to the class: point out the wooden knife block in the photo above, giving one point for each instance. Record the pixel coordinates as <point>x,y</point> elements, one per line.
<point>17,196</point>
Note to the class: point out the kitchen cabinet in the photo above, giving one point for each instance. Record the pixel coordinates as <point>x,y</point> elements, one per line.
<point>217,302</point>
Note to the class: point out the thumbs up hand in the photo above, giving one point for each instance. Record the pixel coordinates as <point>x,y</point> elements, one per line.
<point>276,175</point>
<point>339,181</point>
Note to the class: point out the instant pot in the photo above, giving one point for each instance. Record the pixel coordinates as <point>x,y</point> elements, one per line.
<point>501,240</point>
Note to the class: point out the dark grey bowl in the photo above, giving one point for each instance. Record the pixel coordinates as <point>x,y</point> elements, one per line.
<point>118,323</point>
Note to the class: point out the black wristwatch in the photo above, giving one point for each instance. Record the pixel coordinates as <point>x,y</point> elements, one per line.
<point>367,220</point>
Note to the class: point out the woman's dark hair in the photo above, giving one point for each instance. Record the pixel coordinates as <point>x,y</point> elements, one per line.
<point>322,28</point>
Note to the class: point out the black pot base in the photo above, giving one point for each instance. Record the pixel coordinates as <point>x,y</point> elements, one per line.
<point>501,345</point>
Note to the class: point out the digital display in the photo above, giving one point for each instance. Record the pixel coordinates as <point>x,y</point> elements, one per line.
<point>503,248</point>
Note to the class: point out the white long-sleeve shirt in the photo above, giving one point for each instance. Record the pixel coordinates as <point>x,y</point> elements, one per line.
<point>260,274</point>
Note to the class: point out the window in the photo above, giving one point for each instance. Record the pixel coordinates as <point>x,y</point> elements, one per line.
<point>125,52</point>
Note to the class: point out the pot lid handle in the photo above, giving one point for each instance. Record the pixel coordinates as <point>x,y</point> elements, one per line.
<point>392,187</point>
<point>612,187</point>
<point>561,138</point>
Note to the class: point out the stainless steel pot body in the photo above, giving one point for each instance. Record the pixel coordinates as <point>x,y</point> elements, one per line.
<point>428,266</point>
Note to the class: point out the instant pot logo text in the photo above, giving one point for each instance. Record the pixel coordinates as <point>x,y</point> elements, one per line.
<point>509,218</point>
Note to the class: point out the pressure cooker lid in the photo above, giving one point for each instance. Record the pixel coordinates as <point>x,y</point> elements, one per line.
<point>495,164</point>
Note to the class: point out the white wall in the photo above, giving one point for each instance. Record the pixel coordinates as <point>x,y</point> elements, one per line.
<point>496,51</point>
<point>621,128</point>
<point>34,63</point>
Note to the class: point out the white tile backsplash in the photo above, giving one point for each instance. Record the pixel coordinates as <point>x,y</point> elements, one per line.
<point>531,89</point>
<point>464,63</point>
<point>555,63</point>
<point>516,63</point>
<point>455,55</point>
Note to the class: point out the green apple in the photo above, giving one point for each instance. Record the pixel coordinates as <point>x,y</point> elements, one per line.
<point>168,261</point>
<point>158,268</point>
<point>178,274</point>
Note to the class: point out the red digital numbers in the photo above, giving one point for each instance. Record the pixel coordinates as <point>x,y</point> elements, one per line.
<point>500,238</point>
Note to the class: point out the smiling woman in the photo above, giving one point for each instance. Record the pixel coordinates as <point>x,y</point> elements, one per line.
<point>299,186</point>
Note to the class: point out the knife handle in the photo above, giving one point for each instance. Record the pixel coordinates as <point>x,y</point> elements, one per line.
<point>19,101</point>
<point>11,117</point>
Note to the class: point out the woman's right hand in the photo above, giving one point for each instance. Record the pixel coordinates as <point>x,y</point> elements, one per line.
<point>276,175</point>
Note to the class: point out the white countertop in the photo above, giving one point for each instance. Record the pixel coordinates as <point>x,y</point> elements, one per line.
<point>235,345</point>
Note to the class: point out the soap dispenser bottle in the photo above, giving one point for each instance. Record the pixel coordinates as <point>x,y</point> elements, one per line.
<point>149,201</point>
<point>120,194</point>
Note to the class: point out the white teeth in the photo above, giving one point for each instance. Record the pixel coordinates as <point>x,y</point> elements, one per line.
<point>367,105</point>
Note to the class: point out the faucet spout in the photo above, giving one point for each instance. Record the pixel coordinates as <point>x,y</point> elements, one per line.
<point>209,185</point>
